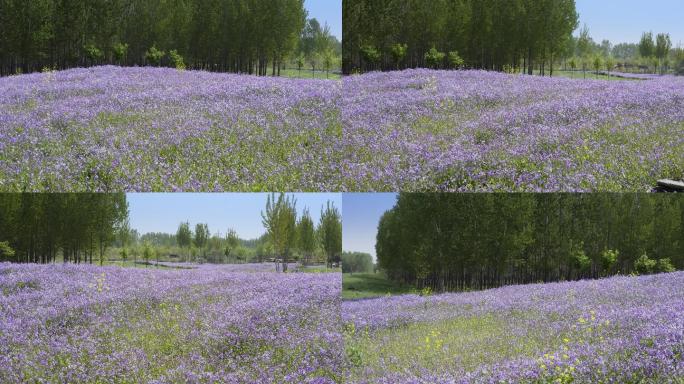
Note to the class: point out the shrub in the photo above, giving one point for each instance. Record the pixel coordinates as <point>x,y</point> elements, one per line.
<point>120,51</point>
<point>154,56</point>
<point>581,260</point>
<point>6,252</point>
<point>455,60</point>
<point>680,68</point>
<point>399,53</point>
<point>644,266</point>
<point>357,262</point>
<point>664,266</point>
<point>370,55</point>
<point>608,259</point>
<point>434,58</point>
<point>176,60</point>
<point>93,53</point>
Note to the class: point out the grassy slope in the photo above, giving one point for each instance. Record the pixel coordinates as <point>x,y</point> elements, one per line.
<point>306,74</point>
<point>591,75</point>
<point>367,285</point>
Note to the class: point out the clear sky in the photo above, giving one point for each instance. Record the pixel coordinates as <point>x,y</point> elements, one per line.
<point>162,212</point>
<point>362,213</point>
<point>327,11</point>
<point>623,21</point>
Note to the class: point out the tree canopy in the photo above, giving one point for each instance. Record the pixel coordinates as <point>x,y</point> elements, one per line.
<point>39,227</point>
<point>489,34</point>
<point>474,241</point>
<point>217,35</point>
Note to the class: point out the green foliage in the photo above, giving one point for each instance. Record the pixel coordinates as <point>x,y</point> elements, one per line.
<point>176,60</point>
<point>644,265</point>
<point>665,266</point>
<point>78,227</point>
<point>455,60</point>
<point>434,58</point>
<point>225,35</point>
<point>120,51</point>
<point>93,53</point>
<point>330,233</point>
<point>597,63</point>
<point>370,55</point>
<point>608,259</point>
<point>680,68</point>
<point>280,221</point>
<point>399,51</point>
<point>357,262</point>
<point>646,45</point>
<point>306,236</point>
<point>201,237</point>
<point>148,252</point>
<point>487,35</point>
<point>663,46</point>
<point>452,242</point>
<point>6,252</point>
<point>154,56</point>
<point>184,235</point>
<point>581,260</point>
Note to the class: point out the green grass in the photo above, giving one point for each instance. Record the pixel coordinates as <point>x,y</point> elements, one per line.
<point>307,74</point>
<point>590,75</point>
<point>318,269</point>
<point>465,342</point>
<point>367,285</point>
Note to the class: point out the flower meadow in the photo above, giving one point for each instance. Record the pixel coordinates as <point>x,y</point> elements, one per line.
<point>78,323</point>
<point>418,130</point>
<point>616,330</point>
<point>160,129</point>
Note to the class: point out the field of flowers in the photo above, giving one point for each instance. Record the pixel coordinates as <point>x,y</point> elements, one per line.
<point>485,131</point>
<point>160,129</point>
<point>617,330</point>
<point>67,324</point>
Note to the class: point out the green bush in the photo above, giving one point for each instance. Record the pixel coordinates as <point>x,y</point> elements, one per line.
<point>154,56</point>
<point>357,262</point>
<point>120,51</point>
<point>664,266</point>
<point>399,53</point>
<point>644,266</point>
<point>680,68</point>
<point>176,60</point>
<point>370,54</point>
<point>581,260</point>
<point>434,58</point>
<point>608,259</point>
<point>93,53</point>
<point>455,60</point>
<point>6,252</point>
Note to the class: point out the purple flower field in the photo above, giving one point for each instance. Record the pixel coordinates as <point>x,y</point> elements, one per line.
<point>484,131</point>
<point>70,323</point>
<point>160,129</point>
<point>617,330</point>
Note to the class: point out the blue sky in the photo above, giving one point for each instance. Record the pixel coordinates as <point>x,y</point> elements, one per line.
<point>623,21</point>
<point>327,11</point>
<point>362,213</point>
<point>154,212</point>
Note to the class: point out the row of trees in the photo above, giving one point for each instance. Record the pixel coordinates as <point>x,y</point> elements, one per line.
<point>357,262</point>
<point>464,241</point>
<point>653,54</point>
<point>286,232</point>
<point>37,228</point>
<point>489,34</point>
<point>247,36</point>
